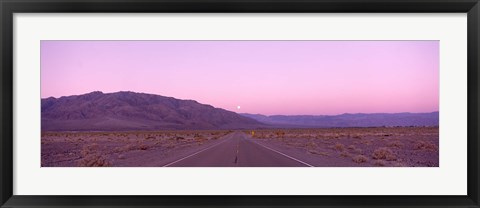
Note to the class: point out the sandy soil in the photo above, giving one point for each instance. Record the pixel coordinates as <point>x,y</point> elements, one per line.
<point>353,147</point>
<point>122,149</point>
<point>334,147</point>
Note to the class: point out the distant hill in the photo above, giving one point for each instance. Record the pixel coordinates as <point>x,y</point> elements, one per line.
<point>121,111</point>
<point>351,120</point>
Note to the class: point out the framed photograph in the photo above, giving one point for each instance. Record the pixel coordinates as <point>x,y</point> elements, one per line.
<point>265,103</point>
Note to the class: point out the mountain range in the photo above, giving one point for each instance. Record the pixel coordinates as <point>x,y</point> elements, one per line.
<point>124,111</point>
<point>351,120</point>
<point>97,111</point>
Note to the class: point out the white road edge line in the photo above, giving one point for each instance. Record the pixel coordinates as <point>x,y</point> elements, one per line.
<point>285,155</point>
<point>195,153</point>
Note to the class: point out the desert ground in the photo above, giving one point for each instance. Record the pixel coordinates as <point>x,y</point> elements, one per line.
<point>319,147</point>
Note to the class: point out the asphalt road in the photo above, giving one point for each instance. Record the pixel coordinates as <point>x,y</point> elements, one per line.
<point>238,150</point>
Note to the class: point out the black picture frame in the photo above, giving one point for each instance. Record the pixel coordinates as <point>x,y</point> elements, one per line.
<point>9,7</point>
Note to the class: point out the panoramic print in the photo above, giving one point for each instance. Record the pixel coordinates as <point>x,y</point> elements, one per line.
<point>240,104</point>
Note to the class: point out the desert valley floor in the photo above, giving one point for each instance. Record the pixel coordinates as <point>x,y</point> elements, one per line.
<point>320,147</point>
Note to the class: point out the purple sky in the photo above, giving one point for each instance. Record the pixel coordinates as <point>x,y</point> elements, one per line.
<point>266,77</point>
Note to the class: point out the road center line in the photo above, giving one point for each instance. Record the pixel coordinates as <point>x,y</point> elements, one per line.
<point>285,155</point>
<point>196,153</point>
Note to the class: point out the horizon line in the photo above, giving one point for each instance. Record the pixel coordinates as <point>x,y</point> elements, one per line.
<point>268,115</point>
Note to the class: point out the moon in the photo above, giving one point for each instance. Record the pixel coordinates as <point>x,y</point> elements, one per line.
<point>238,107</point>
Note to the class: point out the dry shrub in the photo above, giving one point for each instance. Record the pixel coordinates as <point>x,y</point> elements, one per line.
<point>360,159</point>
<point>366,142</point>
<point>396,144</point>
<point>311,145</point>
<point>129,147</point>
<point>339,147</point>
<point>351,147</point>
<point>280,133</point>
<point>422,145</point>
<point>179,138</point>
<point>384,153</point>
<point>357,151</point>
<point>399,164</point>
<point>380,163</point>
<point>121,156</point>
<point>143,147</point>
<point>317,152</point>
<point>117,149</point>
<point>169,145</point>
<point>345,154</point>
<point>323,153</point>
<point>92,157</point>
<point>200,139</point>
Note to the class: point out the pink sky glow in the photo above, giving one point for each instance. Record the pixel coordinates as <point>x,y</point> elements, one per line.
<point>266,77</point>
